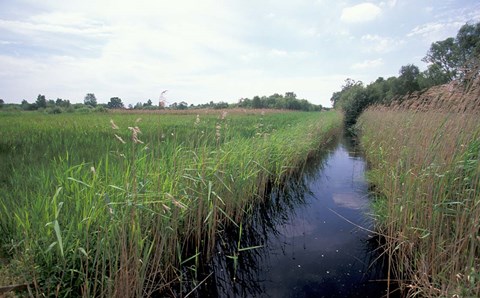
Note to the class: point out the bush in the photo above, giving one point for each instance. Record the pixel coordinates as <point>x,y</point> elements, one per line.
<point>54,110</point>
<point>83,110</point>
<point>101,109</point>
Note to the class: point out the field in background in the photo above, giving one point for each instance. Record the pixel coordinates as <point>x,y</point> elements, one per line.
<point>113,204</point>
<point>426,172</point>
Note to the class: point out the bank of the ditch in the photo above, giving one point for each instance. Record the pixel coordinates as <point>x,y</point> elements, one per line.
<point>425,170</point>
<point>93,208</point>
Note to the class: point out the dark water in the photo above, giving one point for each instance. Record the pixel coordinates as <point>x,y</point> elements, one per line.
<point>313,238</point>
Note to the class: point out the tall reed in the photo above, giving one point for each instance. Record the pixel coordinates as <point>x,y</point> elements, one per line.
<point>426,172</point>
<point>111,205</point>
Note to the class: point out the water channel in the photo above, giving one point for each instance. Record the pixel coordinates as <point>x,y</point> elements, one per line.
<point>312,234</point>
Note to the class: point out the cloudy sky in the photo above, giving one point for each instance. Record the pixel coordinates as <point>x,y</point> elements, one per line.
<point>203,50</point>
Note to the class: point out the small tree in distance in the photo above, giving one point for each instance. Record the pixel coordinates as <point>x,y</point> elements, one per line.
<point>90,100</point>
<point>41,101</point>
<point>115,103</point>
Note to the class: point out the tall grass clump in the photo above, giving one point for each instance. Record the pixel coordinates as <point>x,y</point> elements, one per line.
<point>426,172</point>
<point>113,205</point>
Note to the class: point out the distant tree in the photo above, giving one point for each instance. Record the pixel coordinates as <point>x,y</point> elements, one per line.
<point>408,79</point>
<point>138,106</point>
<point>115,103</point>
<point>182,105</point>
<point>353,100</point>
<point>2,103</point>
<point>90,100</point>
<point>149,103</point>
<point>432,76</point>
<point>290,95</point>
<point>221,105</point>
<point>41,101</point>
<point>257,102</point>
<point>245,103</point>
<point>62,103</point>
<point>27,106</point>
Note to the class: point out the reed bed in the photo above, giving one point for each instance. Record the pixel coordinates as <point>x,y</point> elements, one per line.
<point>113,205</point>
<point>425,170</point>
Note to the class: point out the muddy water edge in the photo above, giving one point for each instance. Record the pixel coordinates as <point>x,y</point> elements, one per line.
<point>309,238</point>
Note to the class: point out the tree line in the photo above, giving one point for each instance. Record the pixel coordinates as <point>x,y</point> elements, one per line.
<point>455,58</point>
<point>289,101</point>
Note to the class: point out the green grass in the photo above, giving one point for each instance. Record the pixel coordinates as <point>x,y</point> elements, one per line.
<point>89,209</point>
<point>426,170</point>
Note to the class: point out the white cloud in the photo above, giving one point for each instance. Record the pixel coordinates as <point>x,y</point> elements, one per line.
<point>446,23</point>
<point>363,12</point>
<point>435,31</point>
<point>57,23</point>
<point>379,44</point>
<point>368,64</point>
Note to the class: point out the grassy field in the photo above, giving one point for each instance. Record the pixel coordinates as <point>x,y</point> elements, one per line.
<point>113,204</point>
<point>426,171</point>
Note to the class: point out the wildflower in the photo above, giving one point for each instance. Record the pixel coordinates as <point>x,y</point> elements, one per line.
<point>93,170</point>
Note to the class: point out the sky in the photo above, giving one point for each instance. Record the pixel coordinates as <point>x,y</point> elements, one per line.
<point>205,50</point>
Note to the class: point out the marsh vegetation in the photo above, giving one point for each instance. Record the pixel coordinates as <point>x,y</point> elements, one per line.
<point>111,204</point>
<point>426,172</point>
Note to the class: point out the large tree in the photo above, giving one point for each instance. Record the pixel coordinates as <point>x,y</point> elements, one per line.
<point>444,55</point>
<point>468,41</point>
<point>455,57</point>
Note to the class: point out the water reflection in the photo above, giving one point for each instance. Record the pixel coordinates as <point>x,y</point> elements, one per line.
<point>310,237</point>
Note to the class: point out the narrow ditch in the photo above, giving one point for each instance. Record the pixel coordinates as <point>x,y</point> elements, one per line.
<point>310,238</point>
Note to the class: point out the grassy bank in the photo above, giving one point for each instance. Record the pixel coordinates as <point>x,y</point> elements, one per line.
<point>94,207</point>
<point>425,169</point>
